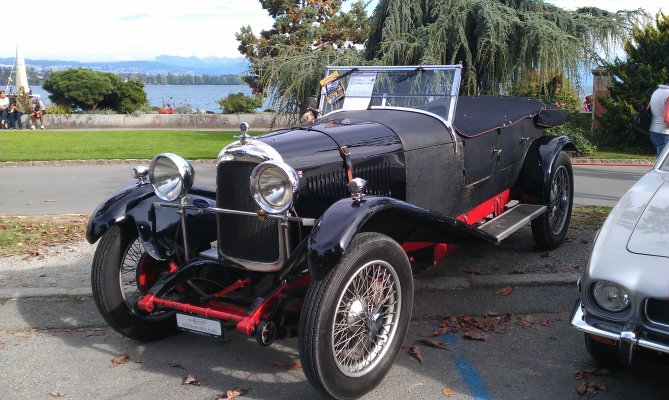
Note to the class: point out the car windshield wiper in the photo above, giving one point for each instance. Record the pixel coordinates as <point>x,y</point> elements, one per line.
<point>344,75</point>
<point>409,74</point>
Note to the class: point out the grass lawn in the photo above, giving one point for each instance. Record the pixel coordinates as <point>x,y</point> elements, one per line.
<point>85,145</point>
<point>614,155</point>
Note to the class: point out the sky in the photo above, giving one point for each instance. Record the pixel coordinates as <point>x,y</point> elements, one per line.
<point>126,30</point>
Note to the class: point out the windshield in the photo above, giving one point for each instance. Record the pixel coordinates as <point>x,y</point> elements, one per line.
<point>425,88</point>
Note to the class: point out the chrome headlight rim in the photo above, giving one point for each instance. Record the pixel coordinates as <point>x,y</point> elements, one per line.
<point>599,288</point>
<point>289,182</point>
<point>174,183</point>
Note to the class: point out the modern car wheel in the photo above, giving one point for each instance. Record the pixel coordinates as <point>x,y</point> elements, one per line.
<point>354,320</point>
<point>121,273</point>
<point>550,229</point>
<point>606,355</point>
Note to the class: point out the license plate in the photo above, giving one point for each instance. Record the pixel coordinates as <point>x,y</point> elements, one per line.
<point>199,325</point>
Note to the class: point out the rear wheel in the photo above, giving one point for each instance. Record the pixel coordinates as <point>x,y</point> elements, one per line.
<point>550,229</point>
<point>121,274</point>
<point>354,320</point>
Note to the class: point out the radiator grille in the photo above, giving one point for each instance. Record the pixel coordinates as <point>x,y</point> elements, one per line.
<point>657,311</point>
<point>242,237</point>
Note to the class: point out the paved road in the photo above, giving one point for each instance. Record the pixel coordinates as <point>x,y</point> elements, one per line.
<point>79,189</point>
<point>534,362</point>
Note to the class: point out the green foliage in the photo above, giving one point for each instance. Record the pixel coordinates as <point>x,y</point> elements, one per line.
<point>91,90</point>
<point>286,60</point>
<point>56,109</point>
<point>239,103</point>
<point>577,128</point>
<point>499,42</point>
<point>646,65</point>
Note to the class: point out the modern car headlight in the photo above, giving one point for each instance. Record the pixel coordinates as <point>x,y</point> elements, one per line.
<point>610,296</point>
<point>273,184</point>
<point>171,176</point>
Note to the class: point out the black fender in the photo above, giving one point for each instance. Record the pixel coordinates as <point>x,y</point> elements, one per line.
<point>538,164</point>
<point>158,228</point>
<point>402,221</point>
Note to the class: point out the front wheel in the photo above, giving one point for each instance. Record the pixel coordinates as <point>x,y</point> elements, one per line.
<point>550,229</point>
<point>354,320</point>
<point>121,273</point>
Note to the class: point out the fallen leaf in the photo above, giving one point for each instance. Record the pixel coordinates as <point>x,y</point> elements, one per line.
<point>191,380</point>
<point>232,393</point>
<point>50,200</point>
<point>448,392</point>
<point>122,359</point>
<point>486,314</point>
<point>176,365</point>
<point>2,344</point>
<point>415,351</point>
<point>438,344</point>
<point>476,334</point>
<point>295,366</point>
<point>546,323</point>
<point>547,254</point>
<point>58,394</point>
<point>506,290</point>
<point>525,321</point>
<point>442,330</point>
<point>280,364</point>
<point>580,375</point>
<point>95,332</point>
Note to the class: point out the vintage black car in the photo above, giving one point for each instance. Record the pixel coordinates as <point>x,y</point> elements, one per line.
<point>310,229</point>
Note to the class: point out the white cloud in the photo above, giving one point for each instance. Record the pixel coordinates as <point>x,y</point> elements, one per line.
<point>132,29</point>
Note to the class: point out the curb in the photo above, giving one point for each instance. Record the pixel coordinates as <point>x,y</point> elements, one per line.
<point>430,284</point>
<point>613,163</point>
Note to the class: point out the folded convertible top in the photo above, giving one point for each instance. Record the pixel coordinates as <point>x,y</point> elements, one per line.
<point>476,115</point>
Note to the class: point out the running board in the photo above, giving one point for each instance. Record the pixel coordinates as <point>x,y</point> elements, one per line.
<point>512,220</point>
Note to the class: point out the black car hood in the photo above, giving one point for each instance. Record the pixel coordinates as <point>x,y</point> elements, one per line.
<point>319,144</point>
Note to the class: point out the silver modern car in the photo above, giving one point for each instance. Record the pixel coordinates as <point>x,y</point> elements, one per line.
<point>624,304</point>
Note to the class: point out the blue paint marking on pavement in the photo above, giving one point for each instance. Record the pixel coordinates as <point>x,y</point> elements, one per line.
<point>477,388</point>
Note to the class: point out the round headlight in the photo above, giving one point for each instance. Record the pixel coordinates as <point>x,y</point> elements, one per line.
<point>610,296</point>
<point>171,176</point>
<point>273,184</point>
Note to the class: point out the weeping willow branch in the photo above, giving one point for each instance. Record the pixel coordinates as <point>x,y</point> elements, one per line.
<point>499,42</point>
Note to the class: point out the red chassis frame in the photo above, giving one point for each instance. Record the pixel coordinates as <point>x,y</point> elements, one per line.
<point>248,320</point>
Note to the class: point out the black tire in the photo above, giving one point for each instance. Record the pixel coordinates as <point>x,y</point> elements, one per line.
<point>365,317</point>
<point>550,229</point>
<point>605,355</point>
<point>116,306</point>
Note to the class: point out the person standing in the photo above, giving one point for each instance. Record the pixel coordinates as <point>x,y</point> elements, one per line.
<point>4,108</point>
<point>659,130</point>
<point>37,112</point>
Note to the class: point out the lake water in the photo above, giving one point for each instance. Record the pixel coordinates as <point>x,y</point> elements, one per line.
<point>202,97</point>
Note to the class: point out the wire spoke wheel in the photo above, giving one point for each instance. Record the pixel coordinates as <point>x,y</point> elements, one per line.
<point>559,205</point>
<point>354,319</point>
<point>366,318</point>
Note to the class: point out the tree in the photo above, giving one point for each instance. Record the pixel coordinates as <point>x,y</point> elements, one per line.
<point>287,61</point>
<point>646,65</point>
<point>498,41</point>
<point>90,90</point>
<point>80,87</point>
<point>240,103</point>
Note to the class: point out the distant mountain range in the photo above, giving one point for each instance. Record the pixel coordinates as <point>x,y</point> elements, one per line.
<point>161,65</point>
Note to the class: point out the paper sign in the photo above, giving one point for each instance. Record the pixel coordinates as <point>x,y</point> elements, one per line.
<point>359,91</point>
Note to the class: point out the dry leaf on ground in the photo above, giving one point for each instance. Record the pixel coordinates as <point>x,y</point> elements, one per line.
<point>232,393</point>
<point>590,388</point>
<point>506,290</point>
<point>191,380</point>
<point>525,321</point>
<point>415,351</point>
<point>487,314</point>
<point>438,344</point>
<point>2,344</point>
<point>476,334</point>
<point>122,359</point>
<point>58,394</point>
<point>448,392</point>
